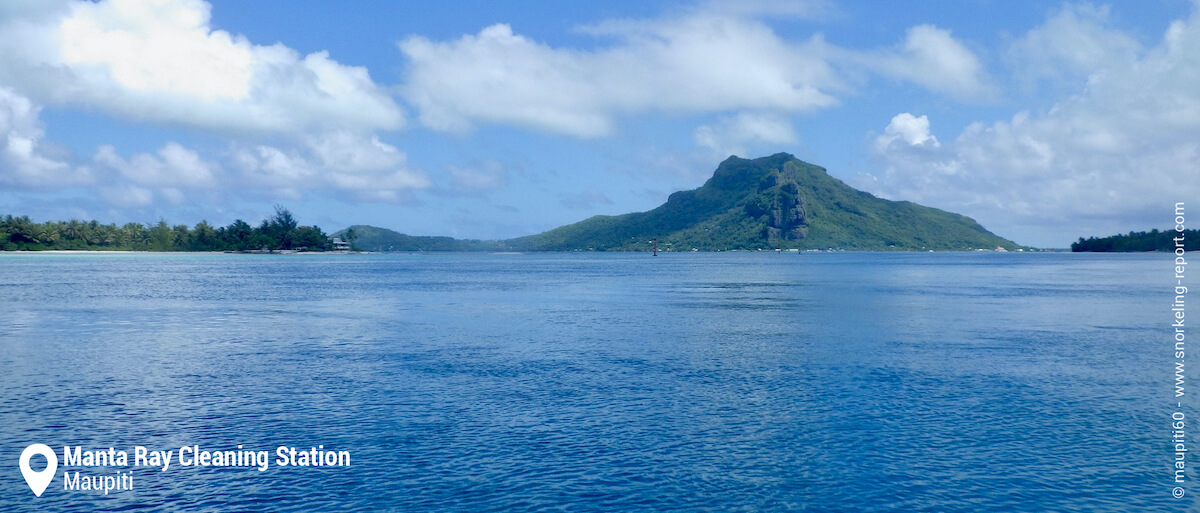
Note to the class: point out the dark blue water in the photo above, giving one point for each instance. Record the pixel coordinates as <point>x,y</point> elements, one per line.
<point>599,382</point>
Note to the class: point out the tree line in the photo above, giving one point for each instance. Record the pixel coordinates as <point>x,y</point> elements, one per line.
<point>1152,240</point>
<point>278,232</point>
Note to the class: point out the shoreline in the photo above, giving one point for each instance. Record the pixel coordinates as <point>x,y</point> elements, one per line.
<point>144,252</point>
<point>290,252</point>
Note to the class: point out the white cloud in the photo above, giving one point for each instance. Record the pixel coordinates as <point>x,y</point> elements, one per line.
<point>342,162</point>
<point>173,175</point>
<point>173,166</point>
<point>698,63</point>
<point>908,129</point>
<point>126,195</point>
<point>272,168</point>
<point>330,163</point>
<point>161,60</point>
<point>109,42</point>
<point>1110,158</point>
<point>23,163</point>
<point>1078,40</point>
<point>933,58</point>
<point>733,135</point>
<point>719,57</point>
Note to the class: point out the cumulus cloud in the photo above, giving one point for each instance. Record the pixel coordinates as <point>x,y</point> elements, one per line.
<point>719,57</point>
<point>933,58</point>
<point>1076,41</point>
<point>336,162</point>
<point>907,129</point>
<point>172,166</point>
<point>173,175</point>
<point>126,195</point>
<point>697,63</point>
<point>1110,158</point>
<point>364,167</point>
<point>732,135</point>
<point>23,162</point>
<point>161,60</point>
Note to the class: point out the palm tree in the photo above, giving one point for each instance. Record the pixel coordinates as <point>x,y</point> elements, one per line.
<point>21,229</point>
<point>134,235</point>
<point>73,231</point>
<point>106,234</point>
<point>47,234</point>
<point>181,237</point>
<point>204,237</point>
<point>237,233</point>
<point>91,232</point>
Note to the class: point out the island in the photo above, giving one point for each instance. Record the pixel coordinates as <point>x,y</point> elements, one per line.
<point>280,232</point>
<point>771,203</point>
<point>1134,242</point>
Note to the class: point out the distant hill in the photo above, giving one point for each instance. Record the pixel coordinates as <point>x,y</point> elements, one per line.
<point>1153,240</point>
<point>776,202</point>
<point>767,203</point>
<point>371,238</point>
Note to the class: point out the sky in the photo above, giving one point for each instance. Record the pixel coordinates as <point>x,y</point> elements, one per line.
<point>488,120</point>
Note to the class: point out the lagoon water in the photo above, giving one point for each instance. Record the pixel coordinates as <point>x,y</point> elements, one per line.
<point>599,382</point>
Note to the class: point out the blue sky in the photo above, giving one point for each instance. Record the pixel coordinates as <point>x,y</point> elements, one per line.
<point>1042,121</point>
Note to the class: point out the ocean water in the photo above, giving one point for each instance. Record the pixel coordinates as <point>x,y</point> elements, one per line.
<point>598,382</point>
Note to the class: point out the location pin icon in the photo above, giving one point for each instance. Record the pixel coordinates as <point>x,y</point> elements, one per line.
<point>38,481</point>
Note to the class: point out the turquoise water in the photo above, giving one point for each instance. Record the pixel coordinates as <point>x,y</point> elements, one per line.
<point>598,382</point>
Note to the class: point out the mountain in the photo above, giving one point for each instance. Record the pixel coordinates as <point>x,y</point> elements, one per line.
<point>776,202</point>
<point>767,203</point>
<point>372,238</point>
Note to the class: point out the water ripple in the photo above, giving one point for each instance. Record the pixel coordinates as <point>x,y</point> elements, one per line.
<point>595,382</point>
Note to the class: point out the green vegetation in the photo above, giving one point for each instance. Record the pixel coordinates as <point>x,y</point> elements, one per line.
<point>371,238</point>
<point>279,232</point>
<point>776,202</point>
<point>1153,240</point>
